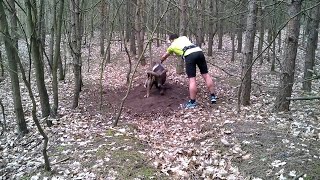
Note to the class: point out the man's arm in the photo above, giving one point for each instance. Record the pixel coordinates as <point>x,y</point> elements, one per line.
<point>165,56</point>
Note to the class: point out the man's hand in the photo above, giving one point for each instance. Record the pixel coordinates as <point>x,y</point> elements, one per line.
<point>164,57</point>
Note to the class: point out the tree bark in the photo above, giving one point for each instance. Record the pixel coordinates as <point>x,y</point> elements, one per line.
<point>233,46</point>
<point>248,52</point>
<point>103,26</point>
<point>1,65</point>
<point>240,29</point>
<point>261,32</point>
<point>35,119</point>
<point>12,54</point>
<point>183,32</point>
<point>274,26</point>
<point>56,61</point>
<point>38,64</point>
<point>199,23</point>
<point>220,24</point>
<point>212,25</point>
<point>139,30</point>
<point>52,33</point>
<point>76,50</point>
<point>312,41</point>
<point>287,74</point>
<point>41,30</point>
<point>133,48</point>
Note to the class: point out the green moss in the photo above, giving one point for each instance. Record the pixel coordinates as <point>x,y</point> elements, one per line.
<point>60,148</point>
<point>101,152</point>
<point>26,177</point>
<point>146,172</point>
<point>110,132</point>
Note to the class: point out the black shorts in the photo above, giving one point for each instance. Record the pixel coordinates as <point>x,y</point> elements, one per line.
<point>195,59</point>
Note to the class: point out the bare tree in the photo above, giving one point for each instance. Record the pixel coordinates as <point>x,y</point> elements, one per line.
<point>1,65</point>
<point>76,49</point>
<point>103,25</point>
<point>248,52</point>
<point>220,23</point>
<point>52,30</point>
<point>261,31</point>
<point>56,60</point>
<point>139,29</point>
<point>199,22</point>
<point>288,69</point>
<point>35,118</point>
<point>240,28</point>
<point>12,55</point>
<point>133,48</point>
<point>38,64</point>
<point>212,25</point>
<point>183,32</point>
<point>312,41</point>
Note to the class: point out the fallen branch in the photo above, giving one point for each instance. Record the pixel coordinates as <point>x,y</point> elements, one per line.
<point>62,160</point>
<point>303,98</point>
<point>223,70</point>
<point>298,176</point>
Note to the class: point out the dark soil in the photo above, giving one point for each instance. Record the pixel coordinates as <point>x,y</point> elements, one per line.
<point>136,104</point>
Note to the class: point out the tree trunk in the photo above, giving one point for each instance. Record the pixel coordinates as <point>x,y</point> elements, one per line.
<point>240,29</point>
<point>127,21</point>
<point>183,32</point>
<point>233,45</point>
<point>1,65</point>
<point>158,13</point>
<point>52,33</point>
<point>274,33</point>
<point>269,38</point>
<point>38,64</point>
<point>139,29</point>
<point>41,30</point>
<point>199,22</point>
<point>61,69</point>
<point>76,49</point>
<point>12,54</point>
<point>212,25</point>
<point>220,24</point>
<point>35,119</point>
<point>312,41</point>
<point>279,41</point>
<point>287,74</point>
<point>133,48</point>
<point>248,52</point>
<point>56,60</point>
<point>261,32</point>
<point>103,26</point>
<point>273,61</point>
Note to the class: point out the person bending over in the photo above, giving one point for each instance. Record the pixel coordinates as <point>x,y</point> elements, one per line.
<point>193,56</point>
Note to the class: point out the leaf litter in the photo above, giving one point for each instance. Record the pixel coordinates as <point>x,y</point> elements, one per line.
<point>210,142</point>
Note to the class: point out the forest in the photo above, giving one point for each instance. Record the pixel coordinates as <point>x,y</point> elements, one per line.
<point>75,101</point>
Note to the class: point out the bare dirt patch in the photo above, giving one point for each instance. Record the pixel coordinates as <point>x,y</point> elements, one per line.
<point>136,104</point>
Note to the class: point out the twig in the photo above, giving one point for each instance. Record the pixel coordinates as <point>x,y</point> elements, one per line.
<point>223,70</point>
<point>259,84</point>
<point>62,160</point>
<point>303,98</point>
<point>298,176</point>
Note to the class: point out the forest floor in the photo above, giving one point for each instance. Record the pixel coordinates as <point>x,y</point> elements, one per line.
<point>156,138</point>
